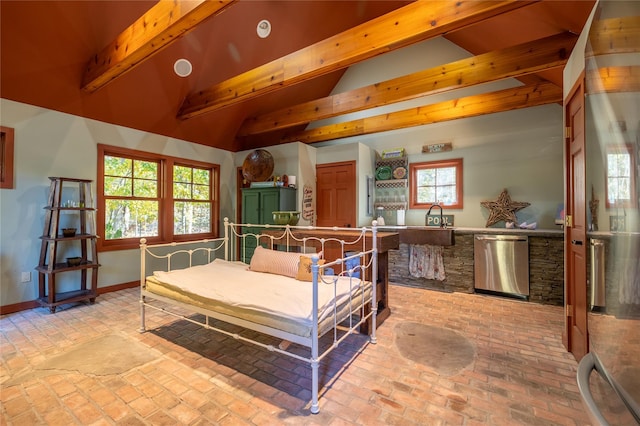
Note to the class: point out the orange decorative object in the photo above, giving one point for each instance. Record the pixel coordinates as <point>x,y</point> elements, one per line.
<point>258,166</point>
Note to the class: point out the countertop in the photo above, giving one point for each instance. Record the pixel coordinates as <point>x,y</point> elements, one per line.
<point>558,233</point>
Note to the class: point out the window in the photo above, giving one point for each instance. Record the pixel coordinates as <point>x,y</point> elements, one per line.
<point>160,198</point>
<point>6,157</point>
<point>436,182</point>
<point>620,177</point>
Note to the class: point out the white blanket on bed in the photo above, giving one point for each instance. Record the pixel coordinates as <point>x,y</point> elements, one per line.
<point>232,283</point>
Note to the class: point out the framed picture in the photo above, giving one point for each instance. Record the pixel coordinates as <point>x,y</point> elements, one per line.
<point>6,157</point>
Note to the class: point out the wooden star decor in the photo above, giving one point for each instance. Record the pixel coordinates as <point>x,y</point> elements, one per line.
<point>503,208</point>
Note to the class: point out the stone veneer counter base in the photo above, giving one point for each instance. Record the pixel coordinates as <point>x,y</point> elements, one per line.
<point>546,264</point>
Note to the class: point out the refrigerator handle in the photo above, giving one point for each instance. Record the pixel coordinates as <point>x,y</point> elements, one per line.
<point>585,367</point>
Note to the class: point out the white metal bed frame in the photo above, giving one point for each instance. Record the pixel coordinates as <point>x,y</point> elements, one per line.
<point>232,236</point>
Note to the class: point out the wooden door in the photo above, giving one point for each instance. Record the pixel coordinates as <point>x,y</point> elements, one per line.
<point>336,189</point>
<point>576,339</point>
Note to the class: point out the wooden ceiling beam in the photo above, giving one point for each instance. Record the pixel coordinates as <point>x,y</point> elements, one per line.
<point>470,106</point>
<point>415,22</point>
<point>526,58</point>
<point>613,80</point>
<point>160,26</point>
<point>614,35</point>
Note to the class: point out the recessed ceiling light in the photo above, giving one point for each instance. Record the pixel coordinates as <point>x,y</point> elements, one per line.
<point>264,28</point>
<point>182,67</point>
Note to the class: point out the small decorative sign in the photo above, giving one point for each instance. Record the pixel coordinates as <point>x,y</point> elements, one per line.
<point>394,153</point>
<point>307,202</point>
<point>437,147</point>
<point>435,220</point>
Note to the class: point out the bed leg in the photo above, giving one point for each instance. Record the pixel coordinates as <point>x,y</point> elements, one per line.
<point>372,335</point>
<point>142,324</point>
<point>315,407</point>
<point>372,323</point>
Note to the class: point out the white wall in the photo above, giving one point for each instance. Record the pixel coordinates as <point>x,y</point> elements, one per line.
<point>50,143</point>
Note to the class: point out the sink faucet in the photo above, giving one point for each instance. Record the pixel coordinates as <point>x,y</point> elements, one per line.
<point>442,224</point>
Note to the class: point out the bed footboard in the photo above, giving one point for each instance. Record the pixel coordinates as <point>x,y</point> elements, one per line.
<point>352,278</point>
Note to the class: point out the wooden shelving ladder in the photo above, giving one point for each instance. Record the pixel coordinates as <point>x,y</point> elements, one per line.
<point>48,265</point>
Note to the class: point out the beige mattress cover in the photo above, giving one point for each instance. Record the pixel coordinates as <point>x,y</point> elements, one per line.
<point>271,300</point>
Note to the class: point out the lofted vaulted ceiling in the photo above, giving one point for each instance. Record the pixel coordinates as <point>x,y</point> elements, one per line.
<point>113,61</point>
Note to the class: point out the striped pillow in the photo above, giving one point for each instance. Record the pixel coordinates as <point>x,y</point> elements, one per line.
<point>275,262</point>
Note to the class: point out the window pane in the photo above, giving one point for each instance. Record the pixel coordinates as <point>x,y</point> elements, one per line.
<point>117,166</point>
<point>145,188</point>
<point>117,187</point>
<point>426,194</point>
<point>201,192</point>
<point>146,170</point>
<point>619,189</point>
<point>181,191</point>
<point>426,177</point>
<point>191,217</point>
<point>130,219</point>
<point>619,164</point>
<point>447,176</point>
<point>201,176</point>
<point>624,189</point>
<point>447,195</point>
<point>182,174</point>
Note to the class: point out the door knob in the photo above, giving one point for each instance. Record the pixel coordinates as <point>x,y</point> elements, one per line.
<point>576,242</point>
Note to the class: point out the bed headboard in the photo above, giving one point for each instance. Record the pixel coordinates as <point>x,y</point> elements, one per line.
<point>330,243</point>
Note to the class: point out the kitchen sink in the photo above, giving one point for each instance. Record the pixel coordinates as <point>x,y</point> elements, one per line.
<point>427,235</point>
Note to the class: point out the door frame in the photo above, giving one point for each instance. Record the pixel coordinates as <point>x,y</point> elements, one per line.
<point>573,291</point>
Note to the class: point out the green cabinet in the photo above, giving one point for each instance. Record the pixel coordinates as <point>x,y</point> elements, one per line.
<point>258,205</point>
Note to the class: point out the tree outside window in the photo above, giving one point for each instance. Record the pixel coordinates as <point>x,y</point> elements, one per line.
<point>436,182</point>
<point>160,198</point>
<point>131,198</point>
<point>191,200</point>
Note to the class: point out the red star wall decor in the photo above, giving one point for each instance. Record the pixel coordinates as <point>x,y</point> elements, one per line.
<point>503,208</point>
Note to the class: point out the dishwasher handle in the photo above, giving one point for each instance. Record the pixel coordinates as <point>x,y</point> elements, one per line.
<point>501,237</point>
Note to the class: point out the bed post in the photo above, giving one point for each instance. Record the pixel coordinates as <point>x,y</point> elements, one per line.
<point>143,250</point>
<point>315,407</point>
<point>226,238</point>
<point>374,281</point>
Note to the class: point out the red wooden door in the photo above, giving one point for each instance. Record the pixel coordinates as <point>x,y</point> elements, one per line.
<point>575,230</point>
<point>336,188</point>
<point>336,202</point>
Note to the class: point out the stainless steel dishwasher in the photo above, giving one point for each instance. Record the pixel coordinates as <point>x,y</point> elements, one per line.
<point>501,264</point>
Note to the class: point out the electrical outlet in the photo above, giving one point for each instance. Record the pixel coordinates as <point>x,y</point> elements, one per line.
<point>26,277</point>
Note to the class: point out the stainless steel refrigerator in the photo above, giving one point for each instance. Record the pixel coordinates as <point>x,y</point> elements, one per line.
<point>609,375</point>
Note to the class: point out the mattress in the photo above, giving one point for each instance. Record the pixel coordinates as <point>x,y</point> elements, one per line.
<point>271,300</point>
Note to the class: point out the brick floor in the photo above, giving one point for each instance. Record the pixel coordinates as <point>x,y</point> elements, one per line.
<point>521,374</point>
